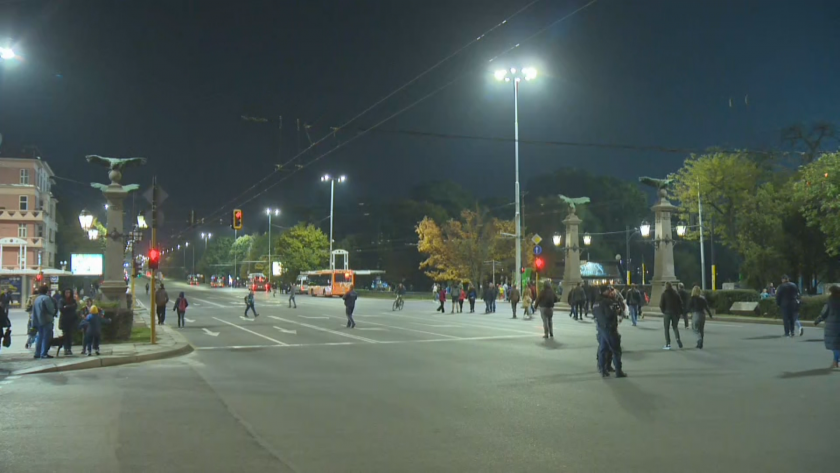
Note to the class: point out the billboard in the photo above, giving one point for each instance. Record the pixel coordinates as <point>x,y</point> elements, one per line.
<point>276,268</point>
<point>86,264</point>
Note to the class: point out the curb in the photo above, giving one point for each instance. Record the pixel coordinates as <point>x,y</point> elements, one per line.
<point>106,362</point>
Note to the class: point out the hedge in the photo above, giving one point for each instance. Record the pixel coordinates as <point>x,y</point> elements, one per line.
<point>809,310</point>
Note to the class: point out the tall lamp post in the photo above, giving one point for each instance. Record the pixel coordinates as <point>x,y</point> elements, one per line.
<point>205,237</point>
<point>270,212</point>
<point>516,76</point>
<point>332,181</point>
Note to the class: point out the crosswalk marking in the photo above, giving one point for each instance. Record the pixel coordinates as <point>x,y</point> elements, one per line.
<point>322,329</point>
<point>251,331</point>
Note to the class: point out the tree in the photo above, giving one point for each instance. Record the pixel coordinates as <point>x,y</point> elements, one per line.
<point>239,250</point>
<point>817,189</point>
<point>810,138</point>
<point>446,194</point>
<point>303,247</point>
<point>216,259</point>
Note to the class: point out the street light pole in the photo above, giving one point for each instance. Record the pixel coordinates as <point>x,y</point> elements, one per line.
<point>324,178</point>
<point>276,212</point>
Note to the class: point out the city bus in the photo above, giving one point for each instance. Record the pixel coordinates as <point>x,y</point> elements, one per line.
<point>329,283</point>
<point>302,284</point>
<point>257,282</point>
<point>217,281</point>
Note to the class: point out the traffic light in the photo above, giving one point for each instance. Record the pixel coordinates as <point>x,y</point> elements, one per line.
<point>39,278</point>
<point>236,219</point>
<point>154,258</point>
<point>539,263</point>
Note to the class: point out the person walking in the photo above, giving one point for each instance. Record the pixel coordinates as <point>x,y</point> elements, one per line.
<point>461,298</point>
<point>249,304</point>
<point>92,325</point>
<point>634,303</point>
<point>292,291</point>
<point>472,295</point>
<point>147,290</point>
<point>161,299</point>
<point>831,315</point>
<point>43,316</point>
<point>350,305</point>
<point>545,302</point>
<point>787,298</point>
<point>699,307</point>
<point>685,297</point>
<point>514,299</point>
<point>441,299</point>
<point>671,306</point>
<point>526,303</point>
<point>454,294</point>
<point>68,320</point>
<point>606,315</point>
<point>180,307</point>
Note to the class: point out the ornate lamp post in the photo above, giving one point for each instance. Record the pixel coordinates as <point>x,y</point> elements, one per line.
<point>663,268</point>
<point>571,272</point>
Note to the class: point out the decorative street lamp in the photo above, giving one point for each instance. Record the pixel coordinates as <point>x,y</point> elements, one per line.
<point>141,221</point>
<point>332,181</point>
<point>587,239</point>
<point>557,239</point>
<point>93,234</point>
<point>7,53</point>
<point>681,228</point>
<point>86,220</point>
<point>644,229</point>
<point>269,212</point>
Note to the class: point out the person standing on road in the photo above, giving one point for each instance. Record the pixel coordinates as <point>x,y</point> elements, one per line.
<point>634,303</point>
<point>454,294</point>
<point>699,307</point>
<point>249,303</point>
<point>545,301</point>
<point>514,299</point>
<point>292,291</point>
<point>350,305</point>
<point>787,298</point>
<point>161,299</point>
<point>526,303</point>
<point>831,315</point>
<point>472,295</point>
<point>92,325</point>
<point>68,320</point>
<point>147,290</point>
<point>671,306</point>
<point>180,307</point>
<point>441,299</point>
<point>685,297</point>
<point>606,315</point>
<point>43,316</point>
<point>461,298</point>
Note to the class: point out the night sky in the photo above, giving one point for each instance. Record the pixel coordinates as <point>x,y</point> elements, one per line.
<point>170,80</point>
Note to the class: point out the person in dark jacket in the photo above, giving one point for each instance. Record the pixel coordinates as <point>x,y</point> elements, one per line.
<point>472,295</point>
<point>514,299</point>
<point>441,299</point>
<point>634,303</point>
<point>831,315</point>
<point>545,301</point>
<point>787,298</point>
<point>350,305</point>
<point>685,296</point>
<point>606,315</point>
<point>699,307</point>
<point>68,320</point>
<point>180,308</point>
<point>92,325</point>
<point>671,306</point>
<point>455,295</point>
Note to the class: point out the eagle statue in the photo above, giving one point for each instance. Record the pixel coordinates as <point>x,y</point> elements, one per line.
<point>115,165</point>
<point>573,202</point>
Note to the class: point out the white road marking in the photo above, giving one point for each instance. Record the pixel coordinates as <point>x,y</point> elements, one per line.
<point>207,302</point>
<point>251,332</point>
<point>373,328</point>
<point>390,342</point>
<point>411,330</point>
<point>189,320</point>
<point>444,326</point>
<point>313,317</point>
<point>244,318</point>
<point>293,332</point>
<point>322,329</point>
<point>16,376</point>
<point>212,334</point>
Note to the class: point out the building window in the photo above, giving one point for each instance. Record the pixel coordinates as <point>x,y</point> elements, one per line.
<point>40,231</point>
<point>24,202</point>
<point>24,176</point>
<point>22,230</point>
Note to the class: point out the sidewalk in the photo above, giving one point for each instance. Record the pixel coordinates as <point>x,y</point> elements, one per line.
<point>17,360</point>
<point>650,311</point>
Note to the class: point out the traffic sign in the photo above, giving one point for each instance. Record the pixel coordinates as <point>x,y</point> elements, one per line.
<point>537,250</point>
<point>161,195</point>
<point>536,239</point>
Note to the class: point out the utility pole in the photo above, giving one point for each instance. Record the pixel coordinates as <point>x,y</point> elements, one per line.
<point>152,306</point>
<point>627,254</point>
<point>712,245</point>
<point>235,274</point>
<point>702,251</point>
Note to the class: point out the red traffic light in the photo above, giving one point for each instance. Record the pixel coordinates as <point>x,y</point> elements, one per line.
<point>539,263</point>
<point>236,219</point>
<point>154,258</point>
<point>39,277</point>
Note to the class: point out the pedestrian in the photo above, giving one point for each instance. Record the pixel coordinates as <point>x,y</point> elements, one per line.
<point>31,327</point>
<point>249,303</point>
<point>606,316</point>
<point>68,320</point>
<point>526,303</point>
<point>634,303</point>
<point>43,315</point>
<point>685,297</point>
<point>577,299</point>
<point>699,307</point>
<point>441,299</point>
<point>180,307</point>
<point>147,289</point>
<point>5,323</point>
<point>787,298</point>
<point>92,325</point>
<point>274,290</point>
<point>472,295</point>
<point>831,315</point>
<point>292,292</point>
<point>671,306</point>
<point>514,299</point>
<point>161,299</point>
<point>545,301</point>
<point>454,294</point>
<point>461,298</point>
<point>87,303</point>
<point>350,305</point>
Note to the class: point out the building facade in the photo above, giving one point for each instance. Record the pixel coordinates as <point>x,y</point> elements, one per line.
<point>27,216</point>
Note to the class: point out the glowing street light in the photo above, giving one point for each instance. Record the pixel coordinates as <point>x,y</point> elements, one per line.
<point>86,220</point>
<point>269,212</point>
<point>332,181</point>
<point>681,229</point>
<point>644,229</point>
<point>7,53</point>
<point>93,234</point>
<point>141,222</point>
<point>587,239</point>
<point>557,239</point>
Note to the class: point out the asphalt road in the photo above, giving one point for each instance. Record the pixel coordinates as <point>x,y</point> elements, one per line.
<point>417,391</point>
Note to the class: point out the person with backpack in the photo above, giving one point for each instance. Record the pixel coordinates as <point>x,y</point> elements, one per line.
<point>180,307</point>
<point>161,299</point>
<point>545,302</point>
<point>249,304</point>
<point>634,303</point>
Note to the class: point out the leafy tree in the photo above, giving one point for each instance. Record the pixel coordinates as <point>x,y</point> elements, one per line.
<point>303,247</point>
<point>818,191</point>
<point>810,139</point>
<point>445,194</point>
<point>216,259</point>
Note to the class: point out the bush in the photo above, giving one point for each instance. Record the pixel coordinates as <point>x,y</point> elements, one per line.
<point>809,310</point>
<point>122,321</point>
<point>721,301</point>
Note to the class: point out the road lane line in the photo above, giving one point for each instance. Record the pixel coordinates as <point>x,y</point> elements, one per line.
<point>251,332</point>
<point>212,334</point>
<point>293,332</point>
<point>322,329</point>
<point>206,301</point>
<point>189,320</point>
<point>408,329</point>
<point>313,316</point>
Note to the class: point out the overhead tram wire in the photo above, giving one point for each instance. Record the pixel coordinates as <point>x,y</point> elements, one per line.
<point>381,100</point>
<point>221,210</point>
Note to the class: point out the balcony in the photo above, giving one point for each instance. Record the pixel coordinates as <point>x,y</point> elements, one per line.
<point>23,215</point>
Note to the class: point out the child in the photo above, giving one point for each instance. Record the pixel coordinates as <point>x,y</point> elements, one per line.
<point>180,308</point>
<point>92,325</point>
<point>83,313</point>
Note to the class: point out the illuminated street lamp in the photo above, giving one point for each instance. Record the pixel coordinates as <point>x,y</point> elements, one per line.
<point>681,229</point>
<point>587,239</point>
<point>557,239</point>
<point>93,234</point>
<point>7,53</point>
<point>269,212</point>
<point>141,222</point>
<point>332,181</point>
<point>644,229</point>
<point>86,220</point>
<point>516,76</point>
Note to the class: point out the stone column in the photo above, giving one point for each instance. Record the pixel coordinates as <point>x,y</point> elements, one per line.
<point>113,287</point>
<point>663,267</point>
<point>571,274</point>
